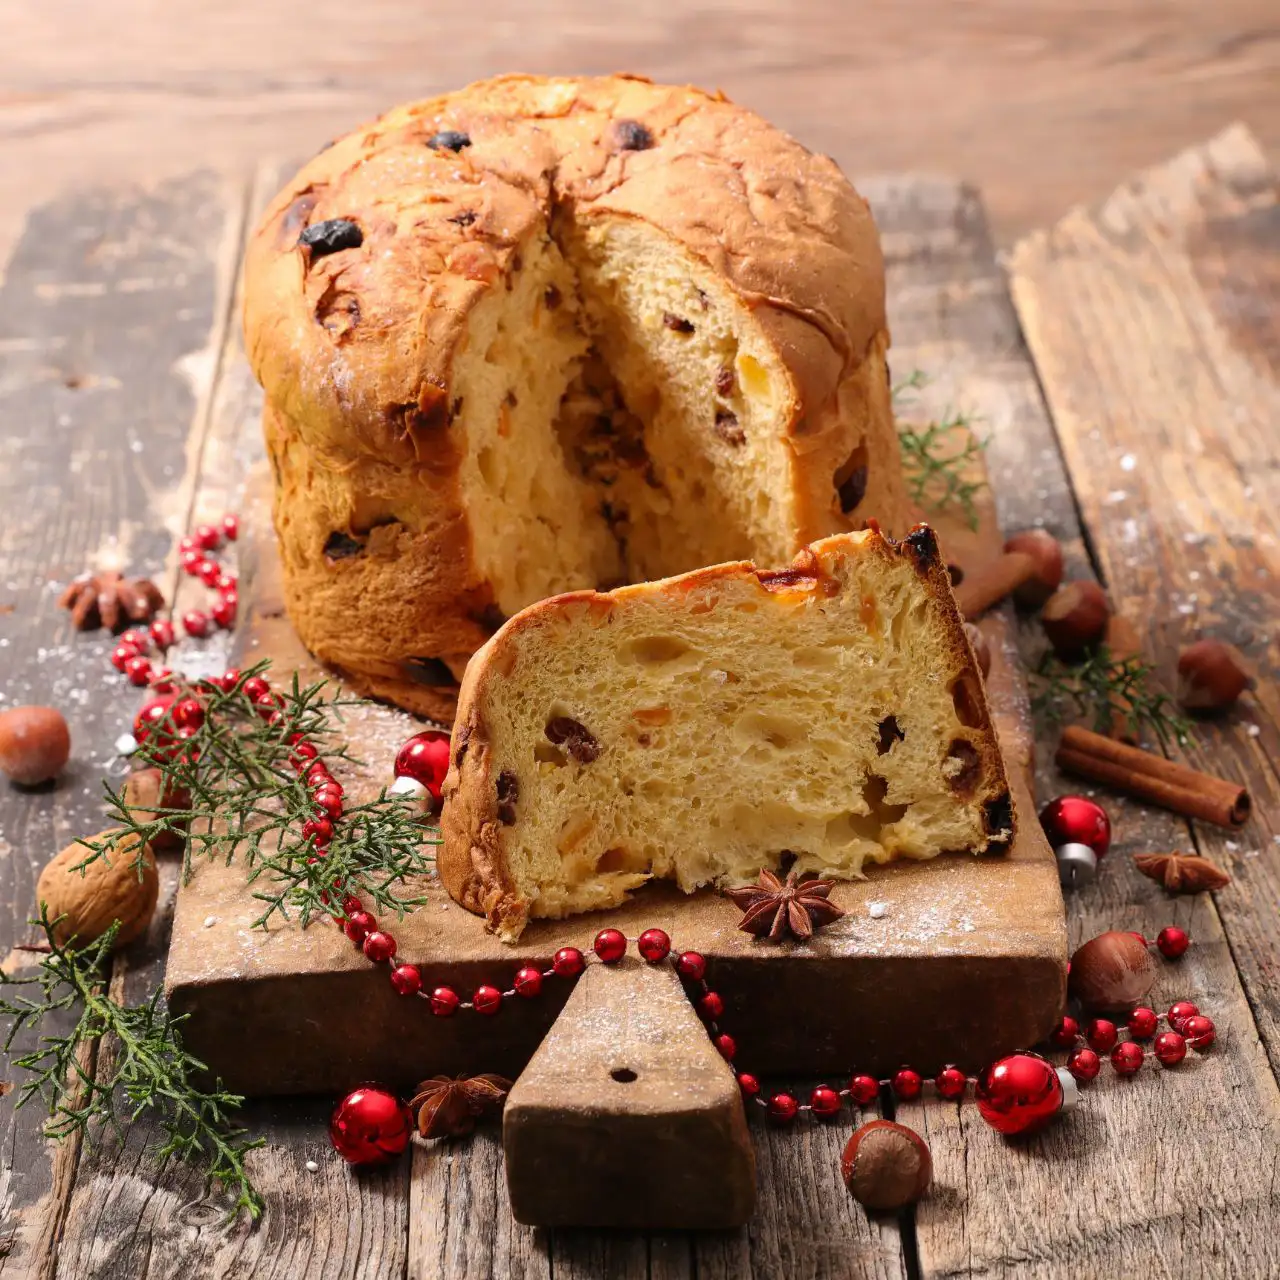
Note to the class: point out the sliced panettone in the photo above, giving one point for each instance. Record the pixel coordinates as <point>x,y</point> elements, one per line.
<point>703,727</point>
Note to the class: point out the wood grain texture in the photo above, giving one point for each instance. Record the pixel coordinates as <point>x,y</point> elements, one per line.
<point>1042,105</point>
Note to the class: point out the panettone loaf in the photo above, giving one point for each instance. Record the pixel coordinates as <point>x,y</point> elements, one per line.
<point>540,335</point>
<point>705,726</point>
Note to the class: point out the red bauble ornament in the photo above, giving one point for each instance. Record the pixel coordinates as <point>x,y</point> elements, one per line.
<point>568,962</point>
<point>1199,1031</point>
<point>610,945</point>
<point>1084,1064</point>
<point>1065,1034</point>
<point>824,1102</point>
<point>1143,1023</point>
<point>358,926</point>
<point>1170,1048</point>
<point>1018,1094</point>
<point>1126,1058</point>
<point>1173,942</point>
<point>1180,1011</point>
<point>406,979</point>
<point>425,759</point>
<point>951,1083</point>
<point>783,1108</point>
<point>444,1002</point>
<point>379,947</point>
<point>749,1085</point>
<point>864,1090</point>
<point>1077,820</point>
<point>691,965</point>
<point>528,982</point>
<point>370,1126</point>
<point>1101,1035</point>
<point>654,945</point>
<point>487,999</point>
<point>711,1006</point>
<point>907,1084</point>
<point>195,623</point>
<point>138,669</point>
<point>727,1046</point>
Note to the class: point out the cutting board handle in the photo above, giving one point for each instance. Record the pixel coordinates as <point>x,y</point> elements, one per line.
<point>627,1116</point>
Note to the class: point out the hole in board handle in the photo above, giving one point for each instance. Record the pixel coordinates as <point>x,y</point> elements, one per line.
<point>623,1075</point>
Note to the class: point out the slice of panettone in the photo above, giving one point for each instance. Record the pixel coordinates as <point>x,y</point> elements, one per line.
<point>703,727</point>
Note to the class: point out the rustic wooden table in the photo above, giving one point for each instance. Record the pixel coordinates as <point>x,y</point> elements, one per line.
<point>1127,366</point>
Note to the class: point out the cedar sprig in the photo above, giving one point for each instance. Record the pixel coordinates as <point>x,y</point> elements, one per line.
<point>142,1067</point>
<point>1093,688</point>
<point>249,803</point>
<point>938,457</point>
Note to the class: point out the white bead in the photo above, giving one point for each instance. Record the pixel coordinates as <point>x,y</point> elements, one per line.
<point>1070,1090</point>
<point>1077,865</point>
<point>126,744</point>
<point>406,787</point>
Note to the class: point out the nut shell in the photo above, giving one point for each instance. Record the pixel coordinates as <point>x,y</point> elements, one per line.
<point>1111,973</point>
<point>1075,618</point>
<point>886,1165</point>
<point>104,891</point>
<point>1046,551</point>
<point>1212,674</point>
<point>35,744</point>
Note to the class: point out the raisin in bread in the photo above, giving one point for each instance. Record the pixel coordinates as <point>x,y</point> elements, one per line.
<point>546,334</point>
<point>699,728</point>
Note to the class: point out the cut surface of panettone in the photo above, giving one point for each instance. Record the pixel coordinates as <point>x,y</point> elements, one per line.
<point>702,727</point>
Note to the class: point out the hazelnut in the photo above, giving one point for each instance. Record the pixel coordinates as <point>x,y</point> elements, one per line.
<point>1111,973</point>
<point>1075,618</point>
<point>886,1165</point>
<point>1046,551</point>
<point>145,791</point>
<point>35,744</point>
<point>981,649</point>
<point>110,888</point>
<point>1212,675</point>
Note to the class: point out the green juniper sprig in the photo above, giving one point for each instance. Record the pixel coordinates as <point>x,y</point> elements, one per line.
<point>1094,687</point>
<point>143,1068</point>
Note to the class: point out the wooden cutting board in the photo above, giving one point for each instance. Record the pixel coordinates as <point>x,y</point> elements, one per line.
<point>959,958</point>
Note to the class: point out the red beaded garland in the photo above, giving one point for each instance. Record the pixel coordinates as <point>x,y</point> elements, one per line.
<point>358,926</point>
<point>1199,1031</point>
<point>1077,820</point>
<point>370,1126</point>
<point>1084,1065</point>
<point>1064,1035</point>
<point>727,1046</point>
<point>824,1102</point>
<point>528,982</point>
<point>749,1085</point>
<point>1127,1058</point>
<point>444,1002</point>
<point>907,1084</point>
<point>951,1083</point>
<point>864,1090</point>
<point>1180,1011</point>
<point>379,947</point>
<point>1170,1048</point>
<point>1173,942</point>
<point>783,1108</point>
<point>1143,1023</point>
<point>195,622</point>
<point>1101,1035</point>
<point>610,945</point>
<point>487,999</point>
<point>406,979</point>
<point>1018,1094</point>
<point>654,945</point>
<point>425,758</point>
<point>711,1005</point>
<point>691,965</point>
<point>568,962</point>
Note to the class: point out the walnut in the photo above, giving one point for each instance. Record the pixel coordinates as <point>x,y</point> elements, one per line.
<point>114,886</point>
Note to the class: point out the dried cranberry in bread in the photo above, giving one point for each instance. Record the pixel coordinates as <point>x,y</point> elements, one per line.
<point>698,728</point>
<point>546,334</point>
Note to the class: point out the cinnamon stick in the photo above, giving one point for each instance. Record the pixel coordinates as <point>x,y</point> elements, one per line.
<point>991,582</point>
<point>1148,776</point>
<point>1122,641</point>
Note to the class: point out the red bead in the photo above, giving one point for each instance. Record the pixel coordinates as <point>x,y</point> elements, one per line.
<point>425,758</point>
<point>254,687</point>
<point>1126,1058</point>
<point>359,925</point>
<point>1065,1034</point>
<point>444,1002</point>
<point>1018,1094</point>
<point>951,1083</point>
<point>151,715</point>
<point>749,1085</point>
<point>1172,941</point>
<point>138,669</point>
<point>191,561</point>
<point>186,544</point>
<point>1143,1023</point>
<point>610,945</point>
<point>567,962</point>
<point>227,583</point>
<point>317,773</point>
<point>824,1102</point>
<point>230,527</point>
<point>907,1084</point>
<point>164,681</point>
<point>379,947</point>
<point>783,1108</point>
<point>711,1006</point>
<point>122,655</point>
<point>691,965</point>
<point>1101,1035</point>
<point>188,712</point>
<point>864,1090</point>
<point>1084,1064</point>
<point>303,753</point>
<point>195,623</point>
<point>1199,1031</point>
<point>1077,820</point>
<point>207,537</point>
<point>1179,1012</point>
<point>351,904</point>
<point>370,1126</point>
<point>228,680</point>
<point>528,982</point>
<point>136,636</point>
<point>1170,1048</point>
<point>224,611</point>
<point>727,1046</point>
<point>653,945</point>
<point>209,573</point>
<point>328,802</point>
<point>406,979</point>
<point>267,704</point>
<point>487,999</point>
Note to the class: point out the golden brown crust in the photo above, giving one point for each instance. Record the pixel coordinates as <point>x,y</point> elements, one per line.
<point>355,348</point>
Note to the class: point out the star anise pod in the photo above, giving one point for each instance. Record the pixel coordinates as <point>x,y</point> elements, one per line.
<point>774,909</point>
<point>448,1107</point>
<point>1182,872</point>
<point>111,600</point>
